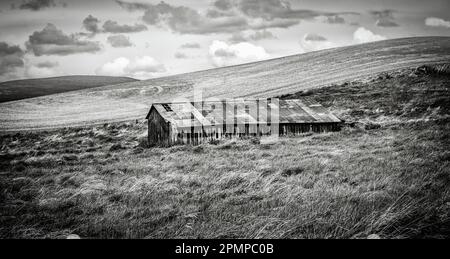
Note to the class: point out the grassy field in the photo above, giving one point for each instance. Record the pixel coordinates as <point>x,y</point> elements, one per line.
<point>21,89</point>
<point>262,79</point>
<point>386,173</point>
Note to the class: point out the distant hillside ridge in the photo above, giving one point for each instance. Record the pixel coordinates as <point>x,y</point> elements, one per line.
<point>28,88</point>
<point>276,77</point>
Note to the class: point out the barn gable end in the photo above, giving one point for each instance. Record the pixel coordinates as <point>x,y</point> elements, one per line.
<point>158,129</point>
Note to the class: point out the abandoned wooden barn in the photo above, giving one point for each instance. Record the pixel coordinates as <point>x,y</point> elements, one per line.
<point>197,122</point>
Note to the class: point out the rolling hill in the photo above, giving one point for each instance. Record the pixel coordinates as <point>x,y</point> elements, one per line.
<point>261,79</point>
<point>21,89</point>
<point>384,175</point>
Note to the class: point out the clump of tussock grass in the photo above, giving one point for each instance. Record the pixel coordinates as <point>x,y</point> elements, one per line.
<point>227,145</point>
<point>198,149</point>
<point>39,161</point>
<point>180,148</point>
<point>291,171</point>
<point>116,147</point>
<point>214,142</point>
<point>143,142</point>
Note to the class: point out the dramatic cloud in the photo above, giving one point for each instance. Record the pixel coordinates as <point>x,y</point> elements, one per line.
<point>119,41</point>
<point>114,27</point>
<point>132,6</point>
<point>362,35</point>
<point>180,19</point>
<point>226,16</point>
<point>190,46</point>
<point>437,22</point>
<point>90,23</point>
<point>52,41</point>
<point>223,54</point>
<point>36,5</point>
<point>11,58</point>
<point>331,19</point>
<point>314,42</point>
<point>186,20</point>
<point>259,24</point>
<point>143,68</point>
<point>271,9</point>
<point>256,36</point>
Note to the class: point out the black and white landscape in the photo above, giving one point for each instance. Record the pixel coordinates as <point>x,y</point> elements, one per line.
<point>77,79</point>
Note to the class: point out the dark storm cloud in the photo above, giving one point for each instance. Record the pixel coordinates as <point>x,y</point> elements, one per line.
<point>225,16</point>
<point>90,23</point>
<point>119,41</point>
<point>52,41</point>
<point>11,58</point>
<point>131,6</point>
<point>180,18</point>
<point>271,9</point>
<point>186,20</point>
<point>114,27</point>
<point>36,5</point>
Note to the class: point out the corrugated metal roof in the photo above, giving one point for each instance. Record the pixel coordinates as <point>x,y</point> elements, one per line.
<point>239,111</point>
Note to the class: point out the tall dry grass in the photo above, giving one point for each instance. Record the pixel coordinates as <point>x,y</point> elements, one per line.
<point>99,182</point>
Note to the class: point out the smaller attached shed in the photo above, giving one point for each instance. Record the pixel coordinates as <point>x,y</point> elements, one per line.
<point>197,122</point>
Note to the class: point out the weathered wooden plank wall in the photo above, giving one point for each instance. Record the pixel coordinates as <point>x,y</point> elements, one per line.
<point>158,130</point>
<point>198,135</point>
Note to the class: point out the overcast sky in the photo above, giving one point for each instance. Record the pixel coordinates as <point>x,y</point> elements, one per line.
<point>148,38</point>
